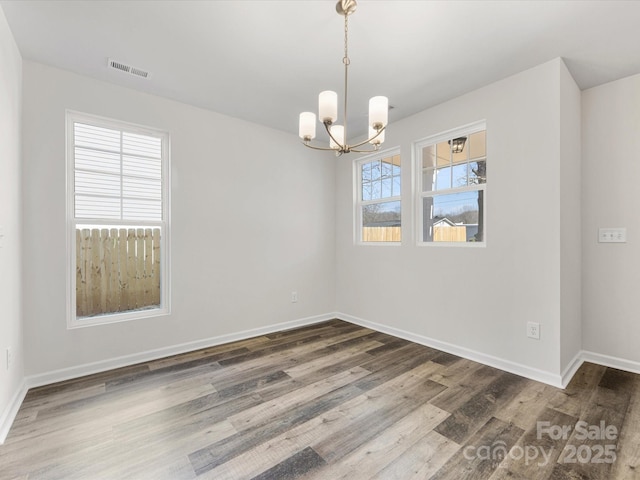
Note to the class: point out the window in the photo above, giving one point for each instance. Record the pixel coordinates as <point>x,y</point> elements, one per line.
<point>118,220</point>
<point>378,198</point>
<point>451,186</point>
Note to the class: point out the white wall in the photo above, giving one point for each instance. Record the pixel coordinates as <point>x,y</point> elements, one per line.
<point>252,220</point>
<point>611,169</point>
<point>570,220</point>
<point>10,222</point>
<point>479,299</point>
<point>266,209</point>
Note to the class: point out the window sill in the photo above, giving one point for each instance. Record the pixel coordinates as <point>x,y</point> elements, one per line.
<point>453,244</point>
<point>108,318</point>
<point>378,244</point>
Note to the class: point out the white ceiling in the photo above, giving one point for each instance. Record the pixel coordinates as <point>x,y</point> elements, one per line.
<point>266,61</point>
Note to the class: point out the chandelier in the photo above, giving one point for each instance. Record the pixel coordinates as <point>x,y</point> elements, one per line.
<point>328,108</point>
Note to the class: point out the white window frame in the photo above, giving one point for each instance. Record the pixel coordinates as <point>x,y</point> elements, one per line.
<point>165,264</point>
<point>357,197</point>
<point>420,194</point>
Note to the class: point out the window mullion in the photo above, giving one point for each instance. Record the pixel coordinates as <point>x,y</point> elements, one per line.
<point>451,165</point>
<point>396,198</point>
<point>121,175</point>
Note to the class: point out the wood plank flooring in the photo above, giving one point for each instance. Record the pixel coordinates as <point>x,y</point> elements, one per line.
<point>326,402</point>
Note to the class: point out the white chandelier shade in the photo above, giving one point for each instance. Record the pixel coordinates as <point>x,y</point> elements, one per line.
<point>307,125</point>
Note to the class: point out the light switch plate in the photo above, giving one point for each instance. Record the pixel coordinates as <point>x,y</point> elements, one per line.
<point>612,235</point>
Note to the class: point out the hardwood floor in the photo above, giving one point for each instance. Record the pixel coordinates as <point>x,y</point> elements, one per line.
<point>325,402</point>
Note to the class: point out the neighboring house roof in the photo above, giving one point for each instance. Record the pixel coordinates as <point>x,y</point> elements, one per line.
<point>444,222</point>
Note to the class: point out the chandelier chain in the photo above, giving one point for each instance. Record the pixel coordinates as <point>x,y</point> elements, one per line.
<point>346,62</point>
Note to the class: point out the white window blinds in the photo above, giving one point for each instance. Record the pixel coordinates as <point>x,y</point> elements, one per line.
<point>117,174</point>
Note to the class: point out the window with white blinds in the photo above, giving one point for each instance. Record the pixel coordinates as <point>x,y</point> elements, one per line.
<point>118,207</point>
<point>118,174</point>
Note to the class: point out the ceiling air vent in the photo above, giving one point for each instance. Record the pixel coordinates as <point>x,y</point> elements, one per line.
<point>123,67</point>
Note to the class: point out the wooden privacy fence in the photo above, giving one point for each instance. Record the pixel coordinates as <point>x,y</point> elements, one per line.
<point>449,234</point>
<point>393,234</point>
<point>117,270</point>
<point>381,234</point>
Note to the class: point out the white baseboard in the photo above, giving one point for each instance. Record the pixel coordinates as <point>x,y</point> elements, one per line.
<point>609,361</point>
<point>506,365</point>
<point>9,414</point>
<point>571,369</point>
<point>127,360</point>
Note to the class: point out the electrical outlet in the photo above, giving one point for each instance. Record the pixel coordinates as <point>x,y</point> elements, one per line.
<point>533,330</point>
<point>294,297</point>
